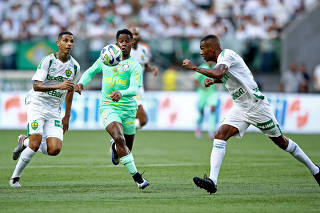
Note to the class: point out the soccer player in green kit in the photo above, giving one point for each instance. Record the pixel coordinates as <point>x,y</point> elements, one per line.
<point>118,107</point>
<point>207,96</point>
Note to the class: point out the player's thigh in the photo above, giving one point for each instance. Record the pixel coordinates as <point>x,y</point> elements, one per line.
<point>128,118</point>
<point>109,114</point>
<point>235,119</point>
<point>263,118</point>
<point>54,145</point>
<point>141,113</point>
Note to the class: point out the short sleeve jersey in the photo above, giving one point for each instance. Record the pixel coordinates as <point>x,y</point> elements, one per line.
<point>142,55</point>
<point>238,80</point>
<point>117,78</point>
<point>53,71</point>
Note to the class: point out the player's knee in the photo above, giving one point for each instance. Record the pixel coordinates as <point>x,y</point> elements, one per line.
<point>54,151</point>
<point>220,135</point>
<point>119,139</point>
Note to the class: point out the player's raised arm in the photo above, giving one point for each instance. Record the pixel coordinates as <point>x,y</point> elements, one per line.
<point>217,73</point>
<point>88,75</point>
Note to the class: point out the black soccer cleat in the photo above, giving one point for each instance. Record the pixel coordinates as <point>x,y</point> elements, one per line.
<point>205,183</point>
<point>19,148</point>
<point>317,176</point>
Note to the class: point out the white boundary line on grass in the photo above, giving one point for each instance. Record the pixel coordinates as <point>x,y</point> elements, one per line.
<point>109,166</point>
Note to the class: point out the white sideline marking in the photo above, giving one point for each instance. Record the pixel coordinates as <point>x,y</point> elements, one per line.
<point>108,166</point>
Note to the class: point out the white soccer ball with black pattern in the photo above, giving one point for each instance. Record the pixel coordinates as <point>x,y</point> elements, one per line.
<point>111,55</point>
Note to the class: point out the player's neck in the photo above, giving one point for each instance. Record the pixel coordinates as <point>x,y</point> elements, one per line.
<point>125,57</point>
<point>62,56</point>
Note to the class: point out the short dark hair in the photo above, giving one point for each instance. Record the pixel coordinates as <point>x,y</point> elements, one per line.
<point>214,37</point>
<point>64,33</point>
<point>124,31</point>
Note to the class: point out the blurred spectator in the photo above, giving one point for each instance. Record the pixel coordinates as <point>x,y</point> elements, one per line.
<point>291,79</point>
<point>169,79</point>
<point>304,85</point>
<point>316,78</point>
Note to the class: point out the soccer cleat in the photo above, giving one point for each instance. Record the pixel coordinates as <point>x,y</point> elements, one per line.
<point>20,147</point>
<point>317,176</point>
<point>14,182</point>
<point>144,184</point>
<point>205,183</point>
<point>114,155</point>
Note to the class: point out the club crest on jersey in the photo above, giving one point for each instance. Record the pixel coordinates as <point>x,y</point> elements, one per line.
<point>68,73</point>
<point>125,67</point>
<point>34,125</point>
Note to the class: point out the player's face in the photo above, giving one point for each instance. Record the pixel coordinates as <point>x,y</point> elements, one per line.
<point>124,43</point>
<point>136,36</point>
<point>65,43</point>
<point>207,51</point>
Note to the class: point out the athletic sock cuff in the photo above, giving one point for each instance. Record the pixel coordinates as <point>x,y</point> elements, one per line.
<point>126,159</point>
<point>219,143</point>
<point>292,146</point>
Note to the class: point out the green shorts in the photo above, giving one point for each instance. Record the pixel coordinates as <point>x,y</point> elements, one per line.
<point>127,118</point>
<point>207,100</point>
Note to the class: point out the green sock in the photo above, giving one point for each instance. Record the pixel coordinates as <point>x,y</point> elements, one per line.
<point>212,122</point>
<point>128,162</point>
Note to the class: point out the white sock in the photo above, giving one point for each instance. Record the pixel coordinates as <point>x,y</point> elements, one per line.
<point>43,146</point>
<point>217,154</point>
<point>24,159</point>
<point>298,154</point>
<point>138,125</point>
<point>26,142</point>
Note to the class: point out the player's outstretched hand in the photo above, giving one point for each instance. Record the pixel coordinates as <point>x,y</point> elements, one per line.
<point>65,123</point>
<point>208,82</point>
<point>155,70</point>
<point>66,85</point>
<point>188,64</point>
<point>115,96</point>
<point>78,88</point>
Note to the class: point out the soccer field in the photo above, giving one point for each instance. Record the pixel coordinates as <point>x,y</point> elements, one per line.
<point>255,176</point>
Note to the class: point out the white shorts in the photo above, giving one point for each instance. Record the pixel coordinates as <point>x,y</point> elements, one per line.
<point>260,116</point>
<point>44,124</point>
<point>139,97</point>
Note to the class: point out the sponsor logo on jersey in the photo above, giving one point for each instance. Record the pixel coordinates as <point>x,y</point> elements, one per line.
<point>125,67</point>
<point>57,78</point>
<point>34,125</point>
<point>237,94</point>
<point>115,81</point>
<point>68,73</point>
<point>55,93</point>
<point>225,78</point>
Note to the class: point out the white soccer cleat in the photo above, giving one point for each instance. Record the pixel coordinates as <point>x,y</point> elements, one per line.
<point>14,182</point>
<point>144,184</point>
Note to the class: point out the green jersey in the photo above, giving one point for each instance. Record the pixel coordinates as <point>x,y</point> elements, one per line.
<point>202,90</point>
<point>125,78</point>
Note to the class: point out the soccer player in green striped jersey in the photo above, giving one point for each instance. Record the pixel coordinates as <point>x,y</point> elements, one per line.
<point>207,96</point>
<point>118,106</point>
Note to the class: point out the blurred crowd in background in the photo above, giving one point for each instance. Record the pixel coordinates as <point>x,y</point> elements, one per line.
<point>156,18</point>
<point>250,27</point>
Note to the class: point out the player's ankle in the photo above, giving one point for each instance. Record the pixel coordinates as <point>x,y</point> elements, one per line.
<point>137,178</point>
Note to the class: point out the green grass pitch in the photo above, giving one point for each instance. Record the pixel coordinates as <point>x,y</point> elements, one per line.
<point>255,176</point>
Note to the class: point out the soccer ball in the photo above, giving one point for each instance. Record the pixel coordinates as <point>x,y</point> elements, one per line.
<point>111,55</point>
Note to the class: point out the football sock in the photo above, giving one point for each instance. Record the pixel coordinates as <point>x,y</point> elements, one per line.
<point>26,142</point>
<point>212,123</point>
<point>217,154</point>
<point>128,162</point>
<point>298,154</point>
<point>137,124</point>
<point>43,146</point>
<point>24,159</point>
<point>200,119</point>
